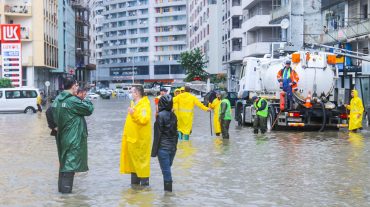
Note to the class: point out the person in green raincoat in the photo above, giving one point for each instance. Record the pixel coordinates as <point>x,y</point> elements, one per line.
<point>68,113</point>
<point>356,111</point>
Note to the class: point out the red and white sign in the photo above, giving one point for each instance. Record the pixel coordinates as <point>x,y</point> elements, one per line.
<point>11,51</point>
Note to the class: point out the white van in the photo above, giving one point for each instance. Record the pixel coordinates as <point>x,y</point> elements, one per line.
<point>18,100</point>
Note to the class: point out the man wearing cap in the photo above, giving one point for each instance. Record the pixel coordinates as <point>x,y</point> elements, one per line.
<point>288,79</point>
<point>260,121</point>
<point>162,92</point>
<point>225,115</point>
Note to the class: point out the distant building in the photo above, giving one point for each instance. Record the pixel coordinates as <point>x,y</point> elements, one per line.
<point>142,41</point>
<point>39,34</point>
<point>205,32</point>
<point>232,40</point>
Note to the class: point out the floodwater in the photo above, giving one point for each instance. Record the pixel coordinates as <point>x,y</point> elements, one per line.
<point>277,169</point>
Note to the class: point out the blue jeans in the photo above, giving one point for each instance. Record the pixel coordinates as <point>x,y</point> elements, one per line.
<point>165,158</point>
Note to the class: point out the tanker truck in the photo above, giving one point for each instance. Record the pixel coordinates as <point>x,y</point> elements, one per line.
<point>317,102</point>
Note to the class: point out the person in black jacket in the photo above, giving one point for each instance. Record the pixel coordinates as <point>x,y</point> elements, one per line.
<point>165,139</point>
<point>51,124</point>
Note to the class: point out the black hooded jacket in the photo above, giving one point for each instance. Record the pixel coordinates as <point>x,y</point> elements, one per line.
<point>165,127</point>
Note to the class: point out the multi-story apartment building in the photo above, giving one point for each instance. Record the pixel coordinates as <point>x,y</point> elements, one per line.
<point>299,21</point>
<point>96,34</point>
<point>142,40</point>
<point>205,31</point>
<point>83,68</point>
<point>260,36</point>
<point>232,38</point>
<point>66,41</point>
<point>169,38</point>
<point>39,34</point>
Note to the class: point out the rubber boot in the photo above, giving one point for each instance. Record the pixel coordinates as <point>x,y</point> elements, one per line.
<point>218,134</point>
<point>60,182</point>
<point>186,137</point>
<point>168,186</point>
<point>255,131</point>
<point>144,181</point>
<point>66,183</point>
<point>179,135</point>
<point>263,131</point>
<point>134,179</point>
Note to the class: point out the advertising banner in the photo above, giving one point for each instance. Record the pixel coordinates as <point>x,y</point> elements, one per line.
<point>11,53</point>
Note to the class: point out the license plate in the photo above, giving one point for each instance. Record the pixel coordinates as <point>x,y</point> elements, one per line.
<point>295,119</point>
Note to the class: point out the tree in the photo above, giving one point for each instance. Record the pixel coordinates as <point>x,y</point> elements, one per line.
<point>5,83</point>
<point>193,62</point>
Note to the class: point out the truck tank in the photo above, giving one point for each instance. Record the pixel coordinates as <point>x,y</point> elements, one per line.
<point>316,75</point>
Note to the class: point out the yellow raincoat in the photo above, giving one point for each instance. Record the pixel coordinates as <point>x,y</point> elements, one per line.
<point>356,111</point>
<point>136,140</point>
<point>215,105</point>
<point>185,103</point>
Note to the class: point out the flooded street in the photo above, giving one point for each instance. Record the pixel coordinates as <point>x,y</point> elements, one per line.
<point>277,169</point>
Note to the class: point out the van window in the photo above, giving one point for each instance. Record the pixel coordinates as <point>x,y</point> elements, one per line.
<point>29,94</point>
<point>1,94</point>
<point>12,94</point>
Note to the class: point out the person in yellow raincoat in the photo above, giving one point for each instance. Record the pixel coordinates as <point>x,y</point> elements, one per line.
<point>185,103</point>
<point>136,139</point>
<point>356,111</point>
<point>215,105</point>
<point>175,106</point>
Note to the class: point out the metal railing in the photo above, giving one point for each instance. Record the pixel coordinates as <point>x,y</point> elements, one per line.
<point>18,9</point>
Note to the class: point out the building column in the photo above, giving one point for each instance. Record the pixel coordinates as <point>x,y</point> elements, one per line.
<point>30,76</point>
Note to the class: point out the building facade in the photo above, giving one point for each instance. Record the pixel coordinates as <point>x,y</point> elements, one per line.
<point>39,34</point>
<point>260,36</point>
<point>66,41</point>
<point>83,69</point>
<point>205,32</point>
<point>232,40</point>
<point>142,41</point>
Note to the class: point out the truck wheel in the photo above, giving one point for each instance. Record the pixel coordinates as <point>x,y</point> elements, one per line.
<point>270,119</point>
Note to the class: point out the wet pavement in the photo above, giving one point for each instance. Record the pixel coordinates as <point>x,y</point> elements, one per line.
<point>277,169</point>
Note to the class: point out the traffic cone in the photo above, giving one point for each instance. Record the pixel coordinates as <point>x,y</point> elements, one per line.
<point>308,103</point>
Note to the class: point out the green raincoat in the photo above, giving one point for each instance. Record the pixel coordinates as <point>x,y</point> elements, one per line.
<point>68,113</point>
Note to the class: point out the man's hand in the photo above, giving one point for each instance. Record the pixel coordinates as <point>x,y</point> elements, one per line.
<point>130,110</point>
<point>290,84</point>
<point>358,116</point>
<point>209,109</point>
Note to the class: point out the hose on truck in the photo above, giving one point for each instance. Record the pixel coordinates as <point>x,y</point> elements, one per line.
<point>323,117</point>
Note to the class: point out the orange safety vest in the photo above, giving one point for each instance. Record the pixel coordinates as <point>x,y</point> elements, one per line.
<point>292,75</point>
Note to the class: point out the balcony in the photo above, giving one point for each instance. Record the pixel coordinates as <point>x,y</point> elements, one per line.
<point>258,49</point>
<point>280,13</point>
<point>82,21</point>
<point>26,34</point>
<point>351,30</point>
<point>18,10</point>
<point>257,21</point>
<point>235,56</point>
<point>79,4</point>
<point>84,52</point>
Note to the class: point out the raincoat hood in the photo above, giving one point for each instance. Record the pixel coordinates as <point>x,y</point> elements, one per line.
<point>223,95</point>
<point>355,93</point>
<point>165,103</point>
<point>64,95</point>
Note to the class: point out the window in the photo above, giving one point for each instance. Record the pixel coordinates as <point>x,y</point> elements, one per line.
<point>161,70</point>
<point>1,94</point>
<point>12,94</point>
<point>29,94</point>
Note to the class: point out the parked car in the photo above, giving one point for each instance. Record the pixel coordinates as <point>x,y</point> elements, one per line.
<point>92,96</point>
<point>18,99</point>
<point>210,96</point>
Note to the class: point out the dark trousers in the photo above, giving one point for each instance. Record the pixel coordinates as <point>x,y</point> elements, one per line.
<point>260,123</point>
<point>165,158</point>
<point>225,124</point>
<point>135,180</point>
